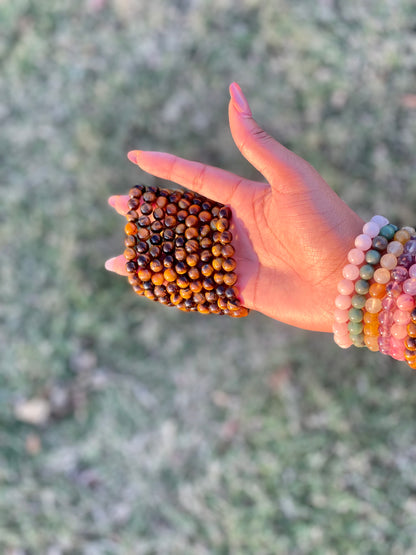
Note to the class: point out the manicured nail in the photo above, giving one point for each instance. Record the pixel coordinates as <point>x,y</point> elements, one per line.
<point>112,201</point>
<point>132,156</point>
<point>239,100</point>
<point>109,264</point>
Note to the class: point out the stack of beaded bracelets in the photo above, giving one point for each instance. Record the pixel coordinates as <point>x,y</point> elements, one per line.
<point>376,307</point>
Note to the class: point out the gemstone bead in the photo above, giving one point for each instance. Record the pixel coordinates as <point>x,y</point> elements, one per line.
<point>355,256</point>
<point>366,271</point>
<point>388,231</point>
<point>355,315</point>
<point>380,220</point>
<point>395,247</point>
<point>388,261</point>
<point>371,229</point>
<point>409,286</point>
<point>373,305</point>
<point>405,302</point>
<point>380,243</point>
<point>381,275</point>
<point>358,301</point>
<point>362,287</point>
<point>372,257</point>
<point>363,242</point>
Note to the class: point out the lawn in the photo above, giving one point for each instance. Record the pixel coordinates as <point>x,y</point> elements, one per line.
<point>129,428</point>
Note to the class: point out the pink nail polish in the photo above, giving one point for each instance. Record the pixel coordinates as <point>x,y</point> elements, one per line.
<point>109,265</point>
<point>112,201</point>
<point>132,156</point>
<point>239,100</point>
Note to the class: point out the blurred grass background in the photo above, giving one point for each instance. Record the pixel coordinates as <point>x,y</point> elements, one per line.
<point>126,428</point>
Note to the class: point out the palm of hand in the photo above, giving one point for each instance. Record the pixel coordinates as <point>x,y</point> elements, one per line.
<point>291,247</point>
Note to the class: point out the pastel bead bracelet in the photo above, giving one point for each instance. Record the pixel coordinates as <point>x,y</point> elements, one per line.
<point>375,305</point>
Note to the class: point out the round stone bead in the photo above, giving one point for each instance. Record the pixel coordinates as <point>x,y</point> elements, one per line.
<point>388,303</point>
<point>399,274</point>
<point>380,220</point>
<point>366,272</point>
<point>343,341</point>
<point>393,289</point>
<point>385,318</point>
<point>395,247</point>
<point>410,247</point>
<point>384,345</point>
<point>388,231</point>
<point>339,328</point>
<point>363,242</point>
<point>380,243</point>
<point>355,328</point>
<point>405,302</point>
<point>356,315</point>
<point>412,271</point>
<point>388,261</point>
<point>345,287</point>
<point>355,256</point>
<point>362,286</point>
<point>341,316</point>
<point>409,286</point>
<point>405,260</point>
<point>410,356</point>
<point>398,331</point>
<point>370,318</point>
<point>371,229</point>
<point>384,331</point>
<point>373,305</point>
<point>130,228</point>
<point>351,272</point>
<point>358,301</point>
<point>396,353</point>
<point>410,343</point>
<point>381,275</point>
<point>397,344</point>
<point>358,340</point>
<point>371,343</point>
<point>371,328</point>
<point>411,329</point>
<point>343,302</point>
<point>401,317</point>
<point>377,290</point>
<point>372,257</point>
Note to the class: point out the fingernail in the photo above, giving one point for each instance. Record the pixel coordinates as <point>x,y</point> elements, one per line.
<point>132,156</point>
<point>109,264</point>
<point>239,100</point>
<point>112,201</point>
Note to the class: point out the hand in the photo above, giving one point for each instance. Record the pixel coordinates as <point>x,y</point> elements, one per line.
<point>291,234</point>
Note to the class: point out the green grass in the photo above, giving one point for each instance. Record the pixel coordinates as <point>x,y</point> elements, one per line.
<point>168,432</point>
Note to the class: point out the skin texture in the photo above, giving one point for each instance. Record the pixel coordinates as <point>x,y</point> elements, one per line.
<point>291,233</point>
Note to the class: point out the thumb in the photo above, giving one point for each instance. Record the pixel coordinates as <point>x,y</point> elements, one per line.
<point>276,163</point>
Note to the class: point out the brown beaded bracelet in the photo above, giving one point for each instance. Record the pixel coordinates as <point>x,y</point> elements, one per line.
<point>179,252</point>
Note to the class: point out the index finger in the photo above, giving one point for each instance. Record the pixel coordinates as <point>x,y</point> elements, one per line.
<point>217,184</point>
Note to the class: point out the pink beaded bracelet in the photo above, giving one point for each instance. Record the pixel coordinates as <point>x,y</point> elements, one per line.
<point>342,326</point>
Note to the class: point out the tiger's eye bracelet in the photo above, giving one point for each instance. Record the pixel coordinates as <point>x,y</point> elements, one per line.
<point>179,251</point>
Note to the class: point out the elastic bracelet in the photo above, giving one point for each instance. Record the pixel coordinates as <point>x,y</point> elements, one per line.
<point>353,288</point>
<point>179,251</point>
